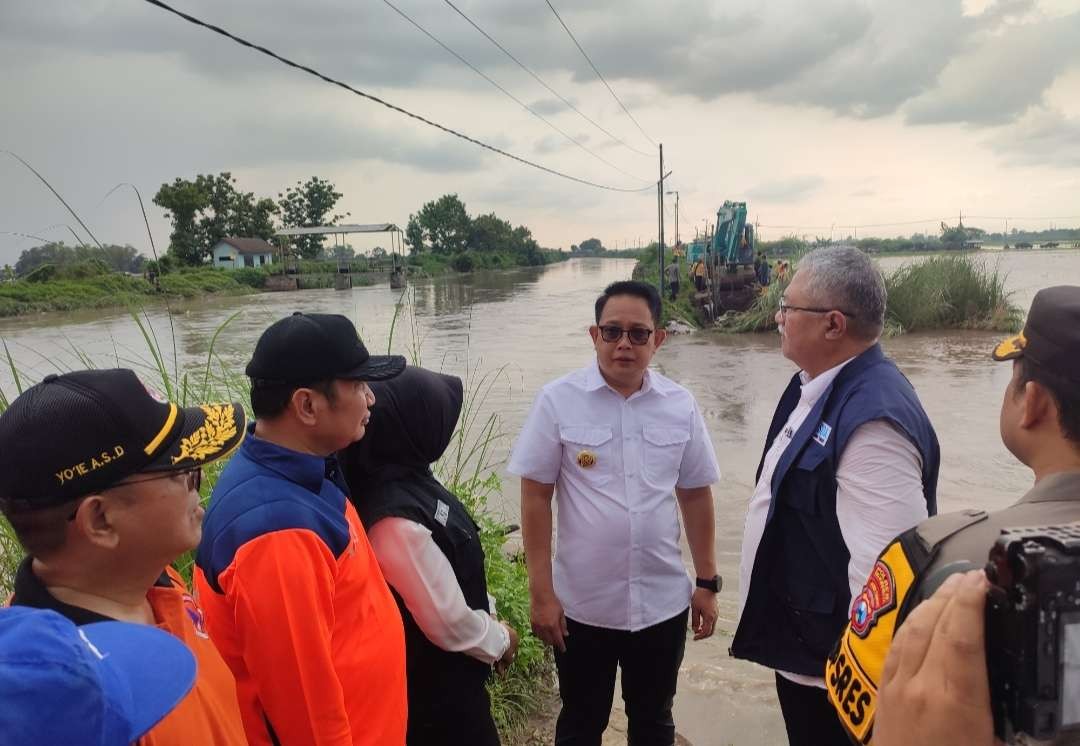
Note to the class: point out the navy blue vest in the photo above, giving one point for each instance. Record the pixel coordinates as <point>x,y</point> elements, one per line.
<point>799,593</point>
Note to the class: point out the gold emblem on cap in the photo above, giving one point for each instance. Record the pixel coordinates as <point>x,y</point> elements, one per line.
<point>208,439</point>
<point>586,459</point>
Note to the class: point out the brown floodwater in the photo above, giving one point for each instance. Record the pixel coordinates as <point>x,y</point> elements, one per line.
<point>523,328</point>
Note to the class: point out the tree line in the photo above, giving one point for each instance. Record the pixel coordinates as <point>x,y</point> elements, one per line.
<point>444,227</point>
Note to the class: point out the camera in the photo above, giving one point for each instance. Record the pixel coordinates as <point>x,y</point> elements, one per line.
<point>1033,631</point>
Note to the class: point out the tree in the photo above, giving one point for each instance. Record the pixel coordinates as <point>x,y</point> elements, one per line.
<point>953,238</point>
<point>591,246</point>
<point>490,233</point>
<point>115,258</point>
<point>445,224</point>
<point>306,205</point>
<point>414,235</point>
<point>183,200</point>
<point>378,253</point>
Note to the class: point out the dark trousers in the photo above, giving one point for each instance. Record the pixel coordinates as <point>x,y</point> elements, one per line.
<point>674,287</point>
<point>809,718</point>
<point>649,659</point>
<point>699,283</point>
<point>464,718</point>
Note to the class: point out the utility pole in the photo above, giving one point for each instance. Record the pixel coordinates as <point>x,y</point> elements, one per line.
<point>660,213</point>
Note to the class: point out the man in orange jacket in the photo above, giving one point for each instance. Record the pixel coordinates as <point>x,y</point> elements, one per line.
<point>100,482</point>
<point>293,593</point>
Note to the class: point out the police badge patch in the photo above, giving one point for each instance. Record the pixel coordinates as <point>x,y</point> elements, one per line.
<point>878,597</point>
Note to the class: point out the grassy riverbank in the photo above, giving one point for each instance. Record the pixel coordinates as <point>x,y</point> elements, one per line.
<point>950,291</point>
<point>21,297</point>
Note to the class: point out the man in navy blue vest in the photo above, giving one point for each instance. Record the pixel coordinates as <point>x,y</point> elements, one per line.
<point>850,461</point>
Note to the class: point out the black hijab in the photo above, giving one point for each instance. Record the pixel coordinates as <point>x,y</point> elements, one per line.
<point>411,425</point>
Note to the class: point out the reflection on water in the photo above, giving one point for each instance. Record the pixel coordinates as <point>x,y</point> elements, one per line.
<point>532,323</point>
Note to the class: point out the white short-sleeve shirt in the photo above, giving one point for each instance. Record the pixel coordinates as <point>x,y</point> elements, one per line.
<point>615,462</point>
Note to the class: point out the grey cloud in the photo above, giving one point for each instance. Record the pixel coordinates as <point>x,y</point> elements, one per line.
<point>550,106</point>
<point>786,190</point>
<point>1003,77</point>
<point>1044,137</point>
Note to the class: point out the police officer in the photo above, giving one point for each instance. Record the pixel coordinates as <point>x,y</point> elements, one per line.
<point>1040,425</point>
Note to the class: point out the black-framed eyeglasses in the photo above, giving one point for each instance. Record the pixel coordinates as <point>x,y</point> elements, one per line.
<point>637,335</point>
<point>193,482</point>
<point>785,307</point>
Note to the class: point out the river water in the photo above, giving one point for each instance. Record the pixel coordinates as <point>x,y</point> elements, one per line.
<point>523,328</point>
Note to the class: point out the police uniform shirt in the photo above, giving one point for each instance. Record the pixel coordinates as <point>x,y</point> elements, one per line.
<point>614,462</point>
<point>909,570</point>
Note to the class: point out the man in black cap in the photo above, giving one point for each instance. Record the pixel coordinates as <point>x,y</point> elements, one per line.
<point>100,482</point>
<point>293,593</point>
<point>1040,425</point>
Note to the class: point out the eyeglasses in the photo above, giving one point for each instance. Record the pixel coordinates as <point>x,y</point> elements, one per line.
<point>193,481</point>
<point>637,335</point>
<point>784,308</point>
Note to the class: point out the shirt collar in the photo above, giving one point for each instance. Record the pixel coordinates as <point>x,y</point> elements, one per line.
<point>813,388</point>
<point>594,381</point>
<point>304,469</point>
<point>1056,487</point>
<point>30,591</point>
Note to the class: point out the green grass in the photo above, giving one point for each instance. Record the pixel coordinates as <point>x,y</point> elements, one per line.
<point>952,291</point>
<point>682,308</point>
<point>113,290</point>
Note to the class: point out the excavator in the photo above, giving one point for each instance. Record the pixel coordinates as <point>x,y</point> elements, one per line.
<point>729,262</point>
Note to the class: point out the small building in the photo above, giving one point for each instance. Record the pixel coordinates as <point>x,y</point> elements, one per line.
<point>234,253</point>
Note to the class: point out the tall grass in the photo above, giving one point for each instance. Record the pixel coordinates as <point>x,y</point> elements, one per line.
<point>950,292</point>
<point>955,291</point>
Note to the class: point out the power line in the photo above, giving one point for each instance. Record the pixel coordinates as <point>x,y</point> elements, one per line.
<point>387,104</point>
<point>516,100</point>
<point>574,39</point>
<point>542,82</point>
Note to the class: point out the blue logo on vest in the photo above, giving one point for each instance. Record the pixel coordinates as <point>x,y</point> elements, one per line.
<point>821,437</point>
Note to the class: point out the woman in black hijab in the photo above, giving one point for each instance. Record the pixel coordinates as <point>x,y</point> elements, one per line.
<point>429,549</point>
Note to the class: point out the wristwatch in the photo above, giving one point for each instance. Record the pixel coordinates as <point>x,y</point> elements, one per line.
<point>714,584</point>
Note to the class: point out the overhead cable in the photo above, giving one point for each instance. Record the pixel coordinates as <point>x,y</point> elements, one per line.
<point>510,95</point>
<point>542,82</point>
<point>387,104</point>
<point>595,70</point>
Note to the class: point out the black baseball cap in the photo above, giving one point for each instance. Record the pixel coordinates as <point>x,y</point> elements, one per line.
<point>309,347</point>
<point>1051,335</point>
<point>78,433</point>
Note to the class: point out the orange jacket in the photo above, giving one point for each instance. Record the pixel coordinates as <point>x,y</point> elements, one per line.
<point>298,606</point>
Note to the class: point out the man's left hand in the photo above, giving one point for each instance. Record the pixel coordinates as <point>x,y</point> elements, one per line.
<point>703,613</point>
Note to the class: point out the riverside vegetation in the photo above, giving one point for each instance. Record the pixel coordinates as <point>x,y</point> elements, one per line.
<point>467,468</point>
<point>951,291</point>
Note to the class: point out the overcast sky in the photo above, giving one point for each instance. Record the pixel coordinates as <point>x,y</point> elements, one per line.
<point>816,112</point>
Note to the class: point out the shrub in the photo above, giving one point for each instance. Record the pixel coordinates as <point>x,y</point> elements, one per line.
<point>462,262</point>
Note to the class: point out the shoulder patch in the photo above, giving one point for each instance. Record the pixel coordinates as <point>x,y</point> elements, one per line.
<point>878,597</point>
<point>854,668</point>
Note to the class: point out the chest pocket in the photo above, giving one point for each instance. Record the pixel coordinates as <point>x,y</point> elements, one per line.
<point>664,448</point>
<point>588,453</point>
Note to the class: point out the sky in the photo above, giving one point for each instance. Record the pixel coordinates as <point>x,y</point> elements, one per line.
<point>821,115</point>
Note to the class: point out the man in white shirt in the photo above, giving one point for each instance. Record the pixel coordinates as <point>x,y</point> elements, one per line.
<point>851,460</point>
<point>612,441</point>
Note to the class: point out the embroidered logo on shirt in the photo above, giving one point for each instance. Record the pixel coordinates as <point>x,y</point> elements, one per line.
<point>586,459</point>
<point>195,614</point>
<point>442,512</point>
<point>821,437</point>
<point>878,597</point>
